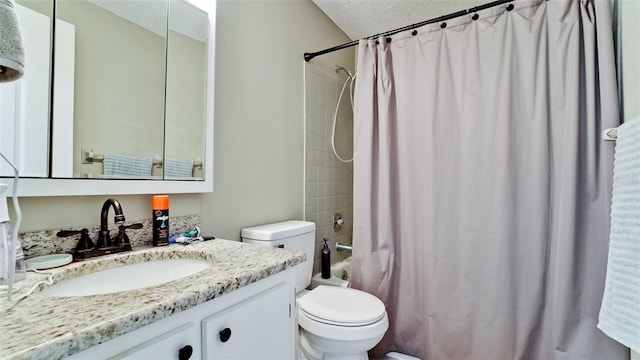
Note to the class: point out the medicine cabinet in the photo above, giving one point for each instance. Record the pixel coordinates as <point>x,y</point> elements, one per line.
<point>117,98</point>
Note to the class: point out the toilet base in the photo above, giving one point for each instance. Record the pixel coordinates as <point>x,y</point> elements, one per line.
<point>311,352</point>
<point>399,356</point>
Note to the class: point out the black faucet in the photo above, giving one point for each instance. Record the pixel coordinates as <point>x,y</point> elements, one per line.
<point>105,245</point>
<point>104,238</point>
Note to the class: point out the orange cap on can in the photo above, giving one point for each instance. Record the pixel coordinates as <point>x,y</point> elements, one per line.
<point>160,202</point>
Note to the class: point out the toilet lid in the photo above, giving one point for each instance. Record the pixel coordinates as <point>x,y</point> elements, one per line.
<point>342,306</point>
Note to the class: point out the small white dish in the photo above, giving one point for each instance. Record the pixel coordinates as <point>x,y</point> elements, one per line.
<point>48,261</point>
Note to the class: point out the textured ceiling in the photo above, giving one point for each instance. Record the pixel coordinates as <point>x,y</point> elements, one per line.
<point>361,18</point>
<point>187,19</point>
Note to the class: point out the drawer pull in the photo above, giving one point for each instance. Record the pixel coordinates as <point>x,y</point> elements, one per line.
<point>225,335</point>
<point>185,352</point>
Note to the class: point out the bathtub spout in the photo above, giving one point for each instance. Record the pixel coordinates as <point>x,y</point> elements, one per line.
<point>343,247</point>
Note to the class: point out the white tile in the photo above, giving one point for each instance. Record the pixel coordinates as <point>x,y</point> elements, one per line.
<point>313,174</point>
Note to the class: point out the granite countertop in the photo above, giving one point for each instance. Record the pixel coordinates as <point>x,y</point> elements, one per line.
<point>41,327</point>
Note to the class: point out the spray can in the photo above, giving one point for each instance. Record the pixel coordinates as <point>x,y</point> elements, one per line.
<point>160,217</point>
<point>326,260</point>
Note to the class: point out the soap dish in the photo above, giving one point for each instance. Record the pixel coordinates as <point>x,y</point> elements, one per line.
<point>48,261</point>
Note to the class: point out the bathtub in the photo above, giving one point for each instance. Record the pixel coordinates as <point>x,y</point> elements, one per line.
<point>340,275</point>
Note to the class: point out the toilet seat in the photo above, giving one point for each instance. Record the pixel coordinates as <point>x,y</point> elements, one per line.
<point>343,334</point>
<point>340,306</point>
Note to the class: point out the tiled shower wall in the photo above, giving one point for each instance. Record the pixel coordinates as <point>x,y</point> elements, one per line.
<point>328,181</point>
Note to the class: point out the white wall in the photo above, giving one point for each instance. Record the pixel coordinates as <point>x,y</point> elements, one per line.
<point>259,117</point>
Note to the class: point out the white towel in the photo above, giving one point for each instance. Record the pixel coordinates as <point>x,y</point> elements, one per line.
<point>12,51</point>
<point>178,168</point>
<point>620,311</point>
<point>126,165</point>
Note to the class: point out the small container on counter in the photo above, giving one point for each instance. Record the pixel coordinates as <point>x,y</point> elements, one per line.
<point>160,216</point>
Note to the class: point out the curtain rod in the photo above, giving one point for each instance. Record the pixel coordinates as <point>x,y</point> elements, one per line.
<point>309,56</point>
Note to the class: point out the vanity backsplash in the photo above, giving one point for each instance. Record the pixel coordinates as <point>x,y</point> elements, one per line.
<point>46,242</point>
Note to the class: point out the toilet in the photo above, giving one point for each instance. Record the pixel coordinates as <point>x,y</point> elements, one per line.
<point>334,322</point>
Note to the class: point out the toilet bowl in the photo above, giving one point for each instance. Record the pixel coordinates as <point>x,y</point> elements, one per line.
<point>340,323</point>
<point>334,322</point>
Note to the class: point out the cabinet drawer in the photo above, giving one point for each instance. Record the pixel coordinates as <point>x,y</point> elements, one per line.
<point>257,328</point>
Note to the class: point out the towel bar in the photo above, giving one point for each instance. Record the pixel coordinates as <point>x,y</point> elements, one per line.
<point>89,157</point>
<point>610,134</point>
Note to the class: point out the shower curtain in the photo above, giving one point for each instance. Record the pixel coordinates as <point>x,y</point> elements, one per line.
<point>481,186</point>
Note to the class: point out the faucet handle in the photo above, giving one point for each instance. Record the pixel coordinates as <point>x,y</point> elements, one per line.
<point>85,242</point>
<point>132,226</point>
<point>122,238</point>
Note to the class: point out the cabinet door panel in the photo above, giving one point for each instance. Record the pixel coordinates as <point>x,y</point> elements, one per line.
<point>168,345</point>
<point>24,104</point>
<point>257,328</point>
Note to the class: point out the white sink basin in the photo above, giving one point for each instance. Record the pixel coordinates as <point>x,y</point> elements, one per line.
<point>127,277</point>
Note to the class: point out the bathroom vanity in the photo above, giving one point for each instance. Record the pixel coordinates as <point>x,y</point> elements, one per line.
<point>242,306</point>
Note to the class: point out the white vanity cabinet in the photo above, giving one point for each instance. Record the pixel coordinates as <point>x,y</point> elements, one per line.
<point>253,329</point>
<point>256,321</point>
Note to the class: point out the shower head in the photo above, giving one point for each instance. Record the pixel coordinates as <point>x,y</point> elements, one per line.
<point>340,68</point>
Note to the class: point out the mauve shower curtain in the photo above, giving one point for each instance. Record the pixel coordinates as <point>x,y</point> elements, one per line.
<point>481,186</point>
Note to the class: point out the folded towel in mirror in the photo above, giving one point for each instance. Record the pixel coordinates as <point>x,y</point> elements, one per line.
<point>126,165</point>
<point>178,167</point>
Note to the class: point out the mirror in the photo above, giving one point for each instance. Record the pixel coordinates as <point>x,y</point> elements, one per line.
<point>24,130</point>
<point>127,56</point>
<point>187,60</point>
<point>133,80</point>
<point>116,82</point>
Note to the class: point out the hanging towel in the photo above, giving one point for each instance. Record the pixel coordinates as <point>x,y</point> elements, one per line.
<point>126,165</point>
<point>178,168</point>
<point>620,311</point>
<point>11,49</point>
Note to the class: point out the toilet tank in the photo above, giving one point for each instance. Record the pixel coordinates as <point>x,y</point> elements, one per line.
<point>293,235</point>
